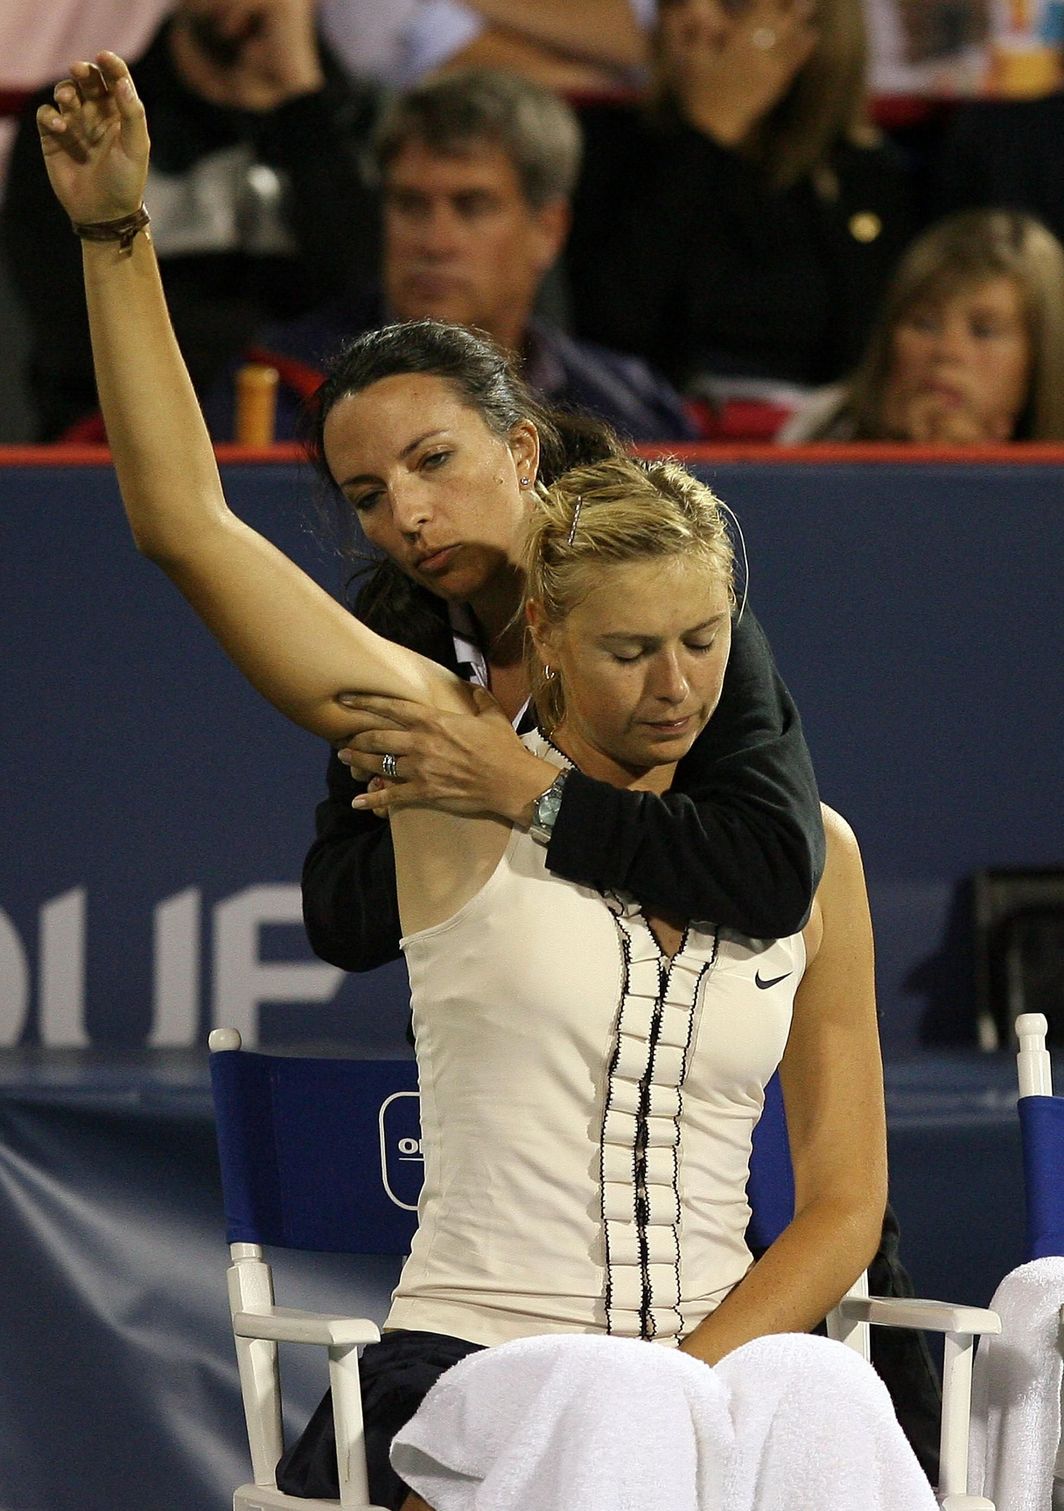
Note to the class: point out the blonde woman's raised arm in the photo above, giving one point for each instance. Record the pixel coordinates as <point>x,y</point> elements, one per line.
<point>294,643</point>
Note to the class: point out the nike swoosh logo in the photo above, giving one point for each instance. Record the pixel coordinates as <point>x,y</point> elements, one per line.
<point>775,981</point>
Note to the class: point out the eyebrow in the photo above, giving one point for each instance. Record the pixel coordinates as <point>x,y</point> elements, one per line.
<point>695,629</point>
<point>371,477</point>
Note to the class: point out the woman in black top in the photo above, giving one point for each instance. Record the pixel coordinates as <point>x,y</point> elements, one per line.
<point>737,230</point>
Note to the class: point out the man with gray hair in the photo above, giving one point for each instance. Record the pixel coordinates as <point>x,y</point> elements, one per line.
<point>476,171</point>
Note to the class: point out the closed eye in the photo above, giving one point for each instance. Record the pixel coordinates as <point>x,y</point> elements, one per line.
<point>362,503</point>
<point>434,460</point>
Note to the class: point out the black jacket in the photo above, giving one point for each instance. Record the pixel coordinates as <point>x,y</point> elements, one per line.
<point>738,839</point>
<point>682,252</point>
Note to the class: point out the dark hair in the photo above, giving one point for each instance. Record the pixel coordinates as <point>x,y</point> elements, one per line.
<point>484,378</point>
<point>467,107</point>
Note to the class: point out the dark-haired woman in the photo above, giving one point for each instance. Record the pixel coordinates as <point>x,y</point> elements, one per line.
<point>740,837</point>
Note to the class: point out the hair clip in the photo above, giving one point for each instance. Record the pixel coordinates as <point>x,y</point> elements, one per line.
<point>576,520</point>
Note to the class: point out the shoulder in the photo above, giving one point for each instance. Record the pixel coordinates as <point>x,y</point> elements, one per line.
<point>620,387</point>
<point>840,838</point>
<point>821,417</point>
<point>842,890</point>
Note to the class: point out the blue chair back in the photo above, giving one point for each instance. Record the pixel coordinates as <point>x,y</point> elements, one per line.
<point>321,1154</point>
<point>325,1154</point>
<point>1042,1136</point>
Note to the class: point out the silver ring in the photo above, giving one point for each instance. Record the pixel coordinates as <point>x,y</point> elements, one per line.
<point>764,38</point>
<point>389,766</point>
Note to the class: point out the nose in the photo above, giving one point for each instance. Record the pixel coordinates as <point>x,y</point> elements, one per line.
<point>950,342</point>
<point>437,232</point>
<point>411,507</point>
<point>667,680</point>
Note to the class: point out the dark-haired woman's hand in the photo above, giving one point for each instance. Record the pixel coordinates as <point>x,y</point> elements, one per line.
<point>729,65</point>
<point>470,763</point>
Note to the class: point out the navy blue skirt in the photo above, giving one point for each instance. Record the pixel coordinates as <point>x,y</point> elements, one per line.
<point>396,1375</point>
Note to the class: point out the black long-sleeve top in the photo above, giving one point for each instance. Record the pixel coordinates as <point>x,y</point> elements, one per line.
<point>219,297</point>
<point>738,839</point>
<point>683,252</point>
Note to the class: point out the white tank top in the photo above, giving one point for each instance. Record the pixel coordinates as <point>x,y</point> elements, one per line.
<point>586,1110</point>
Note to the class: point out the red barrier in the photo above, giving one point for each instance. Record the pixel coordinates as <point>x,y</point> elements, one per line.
<point>1043,453</point>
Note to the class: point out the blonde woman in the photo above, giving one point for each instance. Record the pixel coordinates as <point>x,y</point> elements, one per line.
<point>969,347</point>
<point>590,1070</point>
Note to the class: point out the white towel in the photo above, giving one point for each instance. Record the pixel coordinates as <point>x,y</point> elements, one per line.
<point>815,1427</point>
<point>580,1422</point>
<point>1016,1391</point>
<point>608,1424</point>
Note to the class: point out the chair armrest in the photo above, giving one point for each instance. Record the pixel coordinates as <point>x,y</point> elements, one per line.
<point>933,1316</point>
<point>283,1324</point>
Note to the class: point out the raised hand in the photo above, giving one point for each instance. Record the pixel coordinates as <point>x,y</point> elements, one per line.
<point>730,64</point>
<point>95,141</point>
<point>247,54</point>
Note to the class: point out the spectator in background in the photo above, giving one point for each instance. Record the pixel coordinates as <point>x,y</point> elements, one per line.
<point>476,172</point>
<point>969,347</point>
<point>739,230</point>
<point>258,199</point>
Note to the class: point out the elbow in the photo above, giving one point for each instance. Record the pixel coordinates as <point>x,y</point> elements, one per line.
<point>154,547</point>
<point>862,1223</point>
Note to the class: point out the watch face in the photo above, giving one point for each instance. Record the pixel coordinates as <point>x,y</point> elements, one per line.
<point>546,806</point>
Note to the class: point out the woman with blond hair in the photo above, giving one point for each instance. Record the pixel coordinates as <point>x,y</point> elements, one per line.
<point>738,232</point>
<point>969,347</point>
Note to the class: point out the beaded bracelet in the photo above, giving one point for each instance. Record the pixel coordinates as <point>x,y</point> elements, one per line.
<point>123,230</point>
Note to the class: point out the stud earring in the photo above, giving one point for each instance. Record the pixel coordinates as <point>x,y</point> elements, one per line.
<point>526,482</point>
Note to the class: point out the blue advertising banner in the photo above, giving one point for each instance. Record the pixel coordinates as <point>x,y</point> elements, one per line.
<point>156,811</point>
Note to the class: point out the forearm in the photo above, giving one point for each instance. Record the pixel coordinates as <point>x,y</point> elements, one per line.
<point>749,862</point>
<point>798,1280</point>
<point>158,439</point>
<point>598,31</point>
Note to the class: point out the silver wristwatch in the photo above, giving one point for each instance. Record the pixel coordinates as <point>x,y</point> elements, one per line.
<point>545,810</point>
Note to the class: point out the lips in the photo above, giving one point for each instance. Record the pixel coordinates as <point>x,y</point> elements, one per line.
<point>432,286</point>
<point>947,392</point>
<point>670,726</point>
<point>435,561</point>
